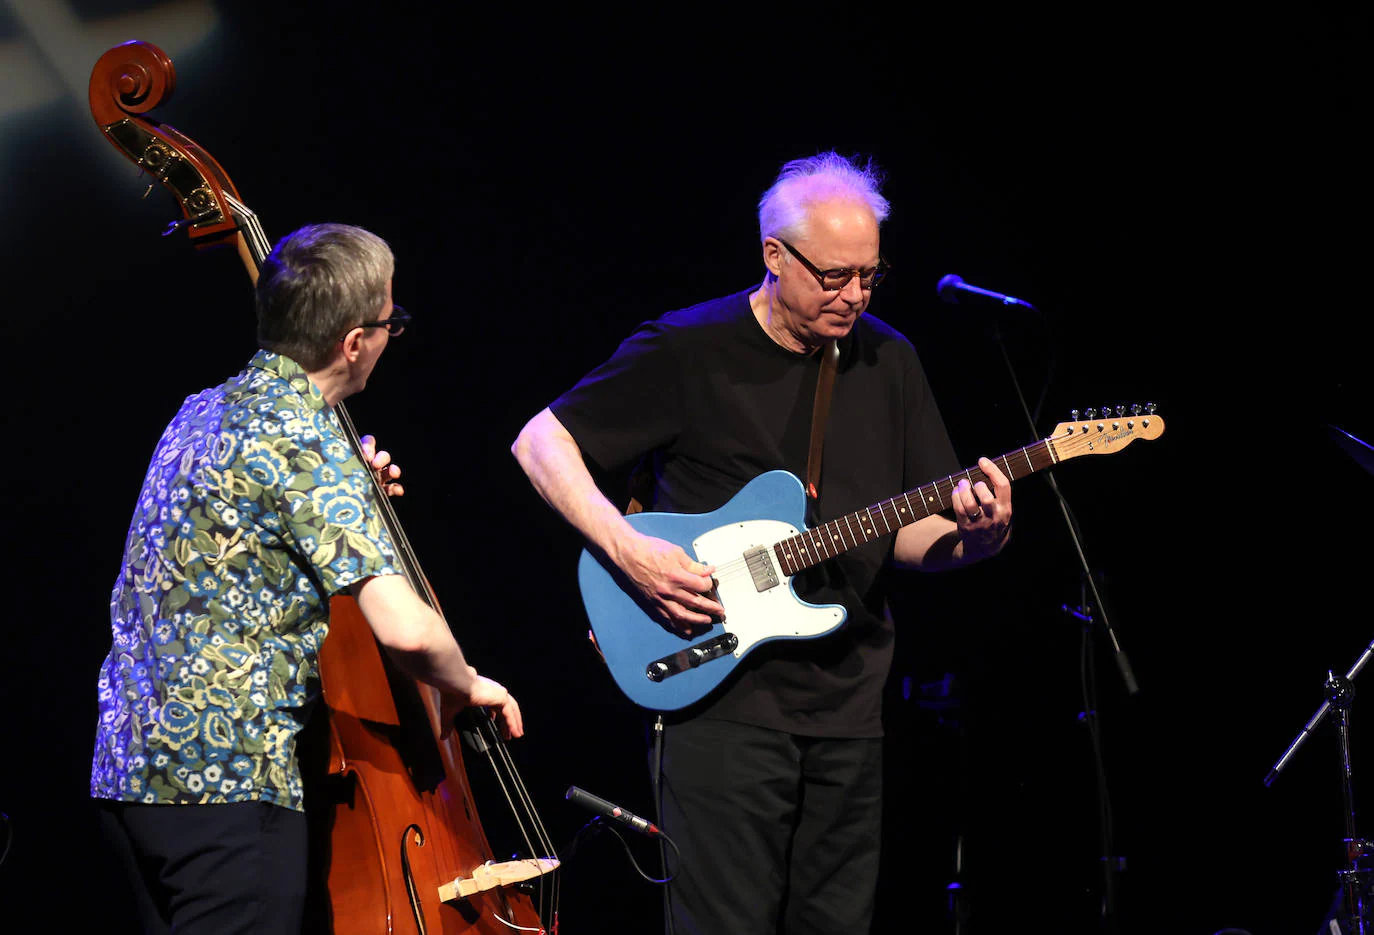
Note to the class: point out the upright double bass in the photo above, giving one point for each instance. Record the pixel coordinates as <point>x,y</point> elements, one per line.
<point>397,845</point>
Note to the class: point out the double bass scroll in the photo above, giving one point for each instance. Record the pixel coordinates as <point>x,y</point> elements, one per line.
<point>401,847</point>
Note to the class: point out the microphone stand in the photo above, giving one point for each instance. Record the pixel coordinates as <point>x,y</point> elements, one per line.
<point>1357,878</point>
<point>1088,613</point>
<point>1122,663</point>
<point>1087,676</point>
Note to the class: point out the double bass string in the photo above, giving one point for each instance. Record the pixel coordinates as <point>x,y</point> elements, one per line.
<point>251,228</point>
<point>492,740</point>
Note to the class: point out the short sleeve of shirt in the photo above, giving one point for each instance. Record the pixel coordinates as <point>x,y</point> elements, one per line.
<point>633,402</point>
<point>330,510</point>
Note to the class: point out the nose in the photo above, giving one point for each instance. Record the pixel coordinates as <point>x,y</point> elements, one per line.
<point>853,291</point>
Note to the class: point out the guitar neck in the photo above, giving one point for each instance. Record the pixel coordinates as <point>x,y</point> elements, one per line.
<point>828,540</point>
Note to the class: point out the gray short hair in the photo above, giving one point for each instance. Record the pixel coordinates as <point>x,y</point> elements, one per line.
<point>317,283</point>
<point>804,182</point>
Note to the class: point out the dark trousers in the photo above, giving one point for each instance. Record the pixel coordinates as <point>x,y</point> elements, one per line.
<point>778,833</point>
<point>211,868</point>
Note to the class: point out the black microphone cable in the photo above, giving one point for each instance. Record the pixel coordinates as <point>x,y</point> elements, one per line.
<point>606,809</point>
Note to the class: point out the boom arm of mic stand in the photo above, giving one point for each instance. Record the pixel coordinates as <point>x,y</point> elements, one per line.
<point>1315,720</point>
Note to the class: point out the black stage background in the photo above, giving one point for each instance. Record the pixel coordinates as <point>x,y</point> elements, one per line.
<point>1185,198</point>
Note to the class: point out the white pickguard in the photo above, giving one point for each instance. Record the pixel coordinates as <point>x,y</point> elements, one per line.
<point>753,615</point>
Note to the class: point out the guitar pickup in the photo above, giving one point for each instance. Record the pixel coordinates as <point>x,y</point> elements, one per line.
<point>691,657</point>
<point>761,568</point>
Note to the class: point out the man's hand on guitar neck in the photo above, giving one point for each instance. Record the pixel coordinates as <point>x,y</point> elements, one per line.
<point>676,589</point>
<point>983,516</point>
<point>980,528</point>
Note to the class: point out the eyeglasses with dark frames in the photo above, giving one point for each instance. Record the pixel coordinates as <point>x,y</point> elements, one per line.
<point>833,280</point>
<point>394,325</point>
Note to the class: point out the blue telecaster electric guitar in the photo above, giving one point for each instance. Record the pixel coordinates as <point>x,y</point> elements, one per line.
<point>759,540</point>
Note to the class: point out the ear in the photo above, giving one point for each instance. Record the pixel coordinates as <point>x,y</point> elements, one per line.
<point>351,345</point>
<point>773,251</point>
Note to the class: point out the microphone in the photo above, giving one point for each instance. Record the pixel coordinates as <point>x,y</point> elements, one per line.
<point>610,810</point>
<point>951,286</point>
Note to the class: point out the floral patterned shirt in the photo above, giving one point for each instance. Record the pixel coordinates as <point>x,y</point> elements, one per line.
<point>254,511</point>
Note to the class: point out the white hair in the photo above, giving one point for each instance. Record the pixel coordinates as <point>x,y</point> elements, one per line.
<point>814,179</point>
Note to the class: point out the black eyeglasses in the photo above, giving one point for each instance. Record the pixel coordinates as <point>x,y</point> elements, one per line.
<point>833,280</point>
<point>394,325</point>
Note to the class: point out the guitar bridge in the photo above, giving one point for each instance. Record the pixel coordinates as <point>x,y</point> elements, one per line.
<point>691,657</point>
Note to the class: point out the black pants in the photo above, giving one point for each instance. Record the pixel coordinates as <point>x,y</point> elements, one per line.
<point>212,868</point>
<point>778,833</point>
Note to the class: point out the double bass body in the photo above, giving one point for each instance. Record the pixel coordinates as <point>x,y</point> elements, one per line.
<point>393,834</point>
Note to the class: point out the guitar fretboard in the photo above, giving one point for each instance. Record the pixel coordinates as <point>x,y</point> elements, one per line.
<point>827,540</point>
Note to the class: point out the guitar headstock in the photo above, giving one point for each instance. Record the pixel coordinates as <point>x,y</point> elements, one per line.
<point>1105,431</point>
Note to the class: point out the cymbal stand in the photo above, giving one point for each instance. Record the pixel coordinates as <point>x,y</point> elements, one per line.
<point>1357,877</point>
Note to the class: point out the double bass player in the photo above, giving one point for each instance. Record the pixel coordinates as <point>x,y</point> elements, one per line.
<point>253,512</point>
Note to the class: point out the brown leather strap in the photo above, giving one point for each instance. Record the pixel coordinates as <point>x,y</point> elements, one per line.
<point>825,382</point>
<point>641,486</point>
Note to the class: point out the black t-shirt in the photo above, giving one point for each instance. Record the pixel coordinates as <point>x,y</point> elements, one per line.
<point>714,402</point>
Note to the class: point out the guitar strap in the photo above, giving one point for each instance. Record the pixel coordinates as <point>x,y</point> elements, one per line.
<point>825,382</point>
<point>641,485</point>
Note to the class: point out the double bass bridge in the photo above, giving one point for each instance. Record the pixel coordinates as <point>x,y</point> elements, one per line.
<point>493,874</point>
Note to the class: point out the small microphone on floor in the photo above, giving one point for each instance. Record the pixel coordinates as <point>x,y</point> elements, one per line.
<point>610,810</point>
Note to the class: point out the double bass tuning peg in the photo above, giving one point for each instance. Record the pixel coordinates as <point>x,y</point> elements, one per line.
<point>175,226</point>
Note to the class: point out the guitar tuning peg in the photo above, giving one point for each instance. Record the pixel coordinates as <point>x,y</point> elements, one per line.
<point>1149,409</point>
<point>1073,415</point>
<point>1090,414</point>
<point>1120,411</point>
<point>1135,409</point>
<point>1106,412</point>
